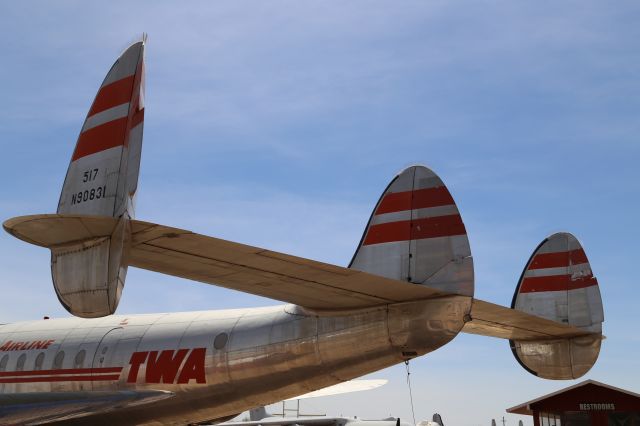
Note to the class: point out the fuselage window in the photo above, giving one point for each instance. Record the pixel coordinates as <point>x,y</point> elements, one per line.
<point>39,361</point>
<point>21,360</point>
<point>79,360</point>
<point>3,362</point>
<point>57,361</point>
<point>220,341</point>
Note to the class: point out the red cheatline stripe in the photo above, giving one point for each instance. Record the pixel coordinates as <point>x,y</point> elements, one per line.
<point>105,136</point>
<point>116,93</point>
<point>555,283</point>
<point>422,198</point>
<point>60,379</point>
<point>431,227</point>
<point>558,259</point>
<point>62,371</point>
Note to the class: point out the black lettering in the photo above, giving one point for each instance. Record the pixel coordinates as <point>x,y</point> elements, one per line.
<point>92,194</point>
<point>73,198</point>
<point>85,195</point>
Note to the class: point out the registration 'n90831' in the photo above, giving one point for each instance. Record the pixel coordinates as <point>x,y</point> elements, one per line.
<point>89,195</point>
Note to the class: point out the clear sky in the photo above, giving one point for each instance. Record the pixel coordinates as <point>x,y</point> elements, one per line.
<point>279,124</point>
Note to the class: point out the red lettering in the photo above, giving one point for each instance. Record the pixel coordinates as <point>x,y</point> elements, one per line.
<point>136,360</point>
<point>194,367</point>
<point>163,368</point>
<point>24,346</point>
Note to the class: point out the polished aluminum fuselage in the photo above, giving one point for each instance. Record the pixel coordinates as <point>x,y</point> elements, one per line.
<point>253,356</point>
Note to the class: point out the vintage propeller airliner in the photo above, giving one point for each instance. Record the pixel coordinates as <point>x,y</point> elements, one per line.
<point>407,291</point>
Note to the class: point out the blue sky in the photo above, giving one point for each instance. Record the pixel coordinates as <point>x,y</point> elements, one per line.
<point>279,124</point>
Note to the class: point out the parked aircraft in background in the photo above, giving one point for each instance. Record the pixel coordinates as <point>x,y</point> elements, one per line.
<point>260,417</point>
<point>407,291</point>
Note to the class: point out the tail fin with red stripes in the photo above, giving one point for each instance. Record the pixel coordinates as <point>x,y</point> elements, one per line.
<point>416,234</point>
<point>101,180</point>
<point>558,284</point>
<point>103,174</point>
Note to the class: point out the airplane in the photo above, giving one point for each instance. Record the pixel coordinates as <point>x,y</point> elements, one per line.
<point>408,290</point>
<point>260,417</point>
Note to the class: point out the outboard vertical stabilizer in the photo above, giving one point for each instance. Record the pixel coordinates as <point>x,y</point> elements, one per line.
<point>558,284</point>
<point>89,274</point>
<point>102,178</point>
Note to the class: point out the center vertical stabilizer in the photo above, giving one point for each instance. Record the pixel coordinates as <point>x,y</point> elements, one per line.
<point>416,234</point>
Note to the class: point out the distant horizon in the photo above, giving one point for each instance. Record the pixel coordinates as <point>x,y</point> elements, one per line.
<point>280,125</point>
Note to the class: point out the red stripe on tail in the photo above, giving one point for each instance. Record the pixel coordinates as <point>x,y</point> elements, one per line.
<point>105,136</point>
<point>417,199</point>
<point>114,94</point>
<point>431,227</point>
<point>555,283</point>
<point>558,259</point>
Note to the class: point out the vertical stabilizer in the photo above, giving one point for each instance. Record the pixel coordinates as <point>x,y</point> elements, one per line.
<point>558,284</point>
<point>103,174</point>
<point>102,180</point>
<point>416,234</point>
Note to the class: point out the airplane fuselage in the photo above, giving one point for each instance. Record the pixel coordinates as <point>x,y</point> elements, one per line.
<point>218,363</point>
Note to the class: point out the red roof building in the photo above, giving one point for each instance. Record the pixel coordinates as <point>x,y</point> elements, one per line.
<point>589,403</point>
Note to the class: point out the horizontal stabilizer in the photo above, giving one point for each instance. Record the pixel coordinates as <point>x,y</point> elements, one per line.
<point>488,319</point>
<point>185,254</point>
<point>271,274</point>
